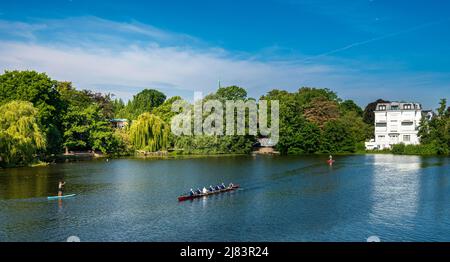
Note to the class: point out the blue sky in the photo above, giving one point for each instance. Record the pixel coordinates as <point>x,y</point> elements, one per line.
<point>362,49</point>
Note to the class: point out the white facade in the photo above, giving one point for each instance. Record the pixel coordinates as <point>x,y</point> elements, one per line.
<point>396,123</point>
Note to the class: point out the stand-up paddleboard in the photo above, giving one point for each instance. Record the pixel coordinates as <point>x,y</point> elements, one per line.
<point>60,197</point>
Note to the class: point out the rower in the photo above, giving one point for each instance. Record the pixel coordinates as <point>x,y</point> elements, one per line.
<point>217,187</point>
<point>211,189</point>
<point>198,191</point>
<point>222,186</point>
<point>230,185</point>
<point>204,190</point>
<point>191,193</point>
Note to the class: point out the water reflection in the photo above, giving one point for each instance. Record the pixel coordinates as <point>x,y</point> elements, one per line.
<point>28,182</point>
<point>295,198</point>
<point>396,184</point>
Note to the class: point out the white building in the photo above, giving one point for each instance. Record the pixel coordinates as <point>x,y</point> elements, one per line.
<point>396,122</point>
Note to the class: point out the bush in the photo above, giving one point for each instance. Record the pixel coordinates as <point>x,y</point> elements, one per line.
<point>398,149</point>
<point>426,149</point>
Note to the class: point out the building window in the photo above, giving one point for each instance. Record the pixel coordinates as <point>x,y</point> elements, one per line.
<point>394,107</point>
<point>382,107</point>
<point>380,137</point>
<point>406,138</point>
<point>380,124</point>
<point>407,123</point>
<point>407,106</point>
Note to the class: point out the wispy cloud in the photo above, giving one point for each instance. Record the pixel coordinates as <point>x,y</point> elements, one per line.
<point>123,58</point>
<point>374,39</point>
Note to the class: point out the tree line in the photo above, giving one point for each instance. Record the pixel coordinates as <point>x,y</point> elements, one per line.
<point>41,117</point>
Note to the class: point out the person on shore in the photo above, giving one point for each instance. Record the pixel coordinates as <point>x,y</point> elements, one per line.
<point>61,187</point>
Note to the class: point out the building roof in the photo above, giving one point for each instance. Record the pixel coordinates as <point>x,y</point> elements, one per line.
<point>399,106</point>
<point>119,120</point>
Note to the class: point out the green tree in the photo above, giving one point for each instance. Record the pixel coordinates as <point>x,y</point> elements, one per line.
<point>84,98</point>
<point>149,133</point>
<point>304,140</point>
<point>355,124</point>
<point>88,129</point>
<point>118,108</point>
<point>144,101</point>
<point>20,134</point>
<point>350,106</point>
<point>40,90</point>
<point>164,111</point>
<point>440,129</point>
<point>337,138</point>
<point>231,93</point>
<point>306,95</point>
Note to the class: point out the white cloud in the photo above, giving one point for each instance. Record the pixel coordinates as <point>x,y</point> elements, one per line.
<point>123,58</point>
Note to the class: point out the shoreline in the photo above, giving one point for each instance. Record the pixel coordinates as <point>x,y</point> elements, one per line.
<point>59,159</point>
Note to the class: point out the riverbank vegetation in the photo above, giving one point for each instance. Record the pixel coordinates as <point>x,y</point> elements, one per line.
<point>41,117</point>
<point>317,121</point>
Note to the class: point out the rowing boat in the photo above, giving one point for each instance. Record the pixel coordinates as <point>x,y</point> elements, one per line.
<point>59,197</point>
<point>188,197</point>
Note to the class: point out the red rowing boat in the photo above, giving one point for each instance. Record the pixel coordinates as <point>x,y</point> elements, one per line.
<point>187,197</point>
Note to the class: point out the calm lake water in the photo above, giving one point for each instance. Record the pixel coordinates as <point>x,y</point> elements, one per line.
<point>397,198</point>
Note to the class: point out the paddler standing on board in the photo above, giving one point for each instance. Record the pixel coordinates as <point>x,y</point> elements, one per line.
<point>61,187</point>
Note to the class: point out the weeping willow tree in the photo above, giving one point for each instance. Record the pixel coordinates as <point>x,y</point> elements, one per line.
<point>20,134</point>
<point>149,133</point>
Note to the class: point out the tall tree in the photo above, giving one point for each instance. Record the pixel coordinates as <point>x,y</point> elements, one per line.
<point>84,98</point>
<point>40,90</point>
<point>350,106</point>
<point>231,93</point>
<point>144,101</point>
<point>149,133</point>
<point>320,111</point>
<point>164,111</point>
<point>355,124</point>
<point>87,129</point>
<point>20,133</point>
<point>338,138</point>
<point>306,95</point>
